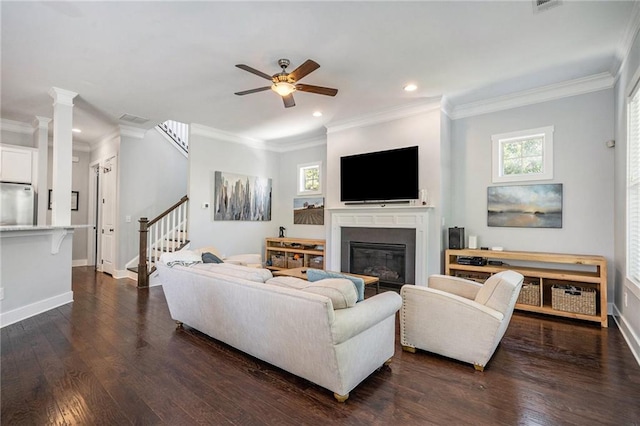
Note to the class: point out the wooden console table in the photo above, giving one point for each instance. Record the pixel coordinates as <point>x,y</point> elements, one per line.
<point>542,271</point>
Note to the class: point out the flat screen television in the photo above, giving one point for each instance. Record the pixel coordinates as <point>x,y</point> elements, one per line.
<point>380,176</point>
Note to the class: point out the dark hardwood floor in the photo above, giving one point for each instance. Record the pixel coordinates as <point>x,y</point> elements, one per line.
<point>114,357</point>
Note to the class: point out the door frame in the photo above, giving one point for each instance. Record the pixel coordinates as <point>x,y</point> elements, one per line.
<point>96,190</point>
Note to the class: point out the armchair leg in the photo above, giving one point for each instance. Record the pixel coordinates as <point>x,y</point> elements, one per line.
<point>478,367</point>
<point>409,349</point>
<point>340,398</point>
<point>389,361</point>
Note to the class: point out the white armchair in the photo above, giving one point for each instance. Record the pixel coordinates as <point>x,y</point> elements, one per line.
<point>458,318</point>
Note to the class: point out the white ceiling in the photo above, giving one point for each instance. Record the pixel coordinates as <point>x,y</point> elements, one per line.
<point>175,60</point>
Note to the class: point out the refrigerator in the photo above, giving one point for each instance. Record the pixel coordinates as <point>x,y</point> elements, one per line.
<point>17,204</point>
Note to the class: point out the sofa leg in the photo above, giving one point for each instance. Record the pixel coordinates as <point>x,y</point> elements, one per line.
<point>409,349</point>
<point>478,367</point>
<point>178,325</point>
<point>340,398</point>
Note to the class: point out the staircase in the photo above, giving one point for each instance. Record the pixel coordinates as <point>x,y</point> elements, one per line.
<point>165,233</point>
<point>177,133</point>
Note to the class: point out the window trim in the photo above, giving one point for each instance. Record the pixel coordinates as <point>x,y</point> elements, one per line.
<point>300,178</point>
<point>632,283</point>
<point>547,155</point>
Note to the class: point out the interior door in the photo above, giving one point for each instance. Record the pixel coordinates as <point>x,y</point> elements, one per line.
<point>108,207</point>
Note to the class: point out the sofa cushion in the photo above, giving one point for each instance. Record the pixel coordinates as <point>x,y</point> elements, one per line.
<point>320,274</point>
<point>288,282</point>
<point>236,271</point>
<point>341,291</point>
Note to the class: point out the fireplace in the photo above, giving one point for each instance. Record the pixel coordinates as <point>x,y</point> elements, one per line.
<point>386,253</point>
<point>385,261</point>
<point>381,225</point>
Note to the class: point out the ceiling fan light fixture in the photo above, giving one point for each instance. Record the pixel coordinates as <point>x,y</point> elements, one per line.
<point>283,88</point>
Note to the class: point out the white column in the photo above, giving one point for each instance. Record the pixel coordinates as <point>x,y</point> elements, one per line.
<point>41,137</point>
<point>62,150</point>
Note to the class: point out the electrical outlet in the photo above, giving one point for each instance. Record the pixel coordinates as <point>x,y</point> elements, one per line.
<point>625,299</point>
<point>127,219</point>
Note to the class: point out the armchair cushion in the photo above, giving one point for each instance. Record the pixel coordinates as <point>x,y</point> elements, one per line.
<point>498,291</point>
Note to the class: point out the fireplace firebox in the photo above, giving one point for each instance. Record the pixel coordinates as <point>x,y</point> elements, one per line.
<point>385,261</point>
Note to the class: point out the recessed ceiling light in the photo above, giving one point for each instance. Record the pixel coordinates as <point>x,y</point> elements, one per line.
<point>76,130</point>
<point>410,87</point>
<point>317,114</point>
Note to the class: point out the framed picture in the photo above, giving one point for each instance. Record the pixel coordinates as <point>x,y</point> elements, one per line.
<point>241,197</point>
<point>525,206</point>
<point>74,199</point>
<point>308,211</point>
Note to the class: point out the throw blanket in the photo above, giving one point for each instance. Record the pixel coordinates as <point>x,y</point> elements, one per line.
<point>182,257</point>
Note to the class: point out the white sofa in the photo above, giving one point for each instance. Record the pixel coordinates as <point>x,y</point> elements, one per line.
<point>295,330</point>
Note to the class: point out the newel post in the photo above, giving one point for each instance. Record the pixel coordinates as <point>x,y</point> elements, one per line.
<point>143,276</point>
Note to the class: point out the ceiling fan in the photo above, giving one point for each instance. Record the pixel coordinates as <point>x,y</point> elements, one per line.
<point>285,83</point>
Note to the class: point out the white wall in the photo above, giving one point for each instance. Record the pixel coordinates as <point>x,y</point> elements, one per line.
<point>208,153</point>
<point>14,138</point>
<point>153,176</point>
<point>582,163</point>
<point>423,130</point>
<point>629,313</point>
<point>288,181</point>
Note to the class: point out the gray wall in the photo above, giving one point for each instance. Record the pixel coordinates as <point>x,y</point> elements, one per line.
<point>288,181</point>
<point>582,163</point>
<point>424,130</point>
<point>629,313</point>
<point>207,154</point>
<point>153,177</point>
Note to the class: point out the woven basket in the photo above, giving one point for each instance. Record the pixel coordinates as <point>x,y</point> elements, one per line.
<point>574,299</point>
<point>294,263</point>
<point>529,294</point>
<point>316,262</point>
<point>278,261</point>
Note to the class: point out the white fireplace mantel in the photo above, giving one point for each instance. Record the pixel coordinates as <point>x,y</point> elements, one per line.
<point>379,216</point>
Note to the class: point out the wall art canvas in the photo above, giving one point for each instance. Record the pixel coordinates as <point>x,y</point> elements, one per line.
<point>525,206</point>
<point>308,211</point>
<point>240,197</point>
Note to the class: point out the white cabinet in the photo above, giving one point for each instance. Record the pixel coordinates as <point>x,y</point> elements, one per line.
<point>15,165</point>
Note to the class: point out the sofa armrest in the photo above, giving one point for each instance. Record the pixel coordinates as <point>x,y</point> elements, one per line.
<point>455,285</point>
<point>353,321</point>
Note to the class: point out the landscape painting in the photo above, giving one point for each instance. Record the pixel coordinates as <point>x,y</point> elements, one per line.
<point>525,206</point>
<point>308,211</point>
<point>240,197</point>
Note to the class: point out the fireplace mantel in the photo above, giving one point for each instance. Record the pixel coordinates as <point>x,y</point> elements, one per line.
<point>381,216</point>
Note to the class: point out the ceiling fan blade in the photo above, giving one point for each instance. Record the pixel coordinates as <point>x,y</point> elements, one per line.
<point>254,71</point>
<point>308,67</point>
<point>316,89</point>
<point>259,89</point>
<point>288,101</point>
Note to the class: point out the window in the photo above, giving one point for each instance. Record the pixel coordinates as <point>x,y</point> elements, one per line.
<point>523,155</point>
<point>309,178</point>
<point>633,187</point>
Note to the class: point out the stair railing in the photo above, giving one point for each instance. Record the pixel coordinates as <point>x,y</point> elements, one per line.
<point>178,132</point>
<point>164,233</point>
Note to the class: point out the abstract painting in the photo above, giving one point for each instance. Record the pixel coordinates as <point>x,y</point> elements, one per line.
<point>525,206</point>
<point>308,211</point>
<point>240,197</point>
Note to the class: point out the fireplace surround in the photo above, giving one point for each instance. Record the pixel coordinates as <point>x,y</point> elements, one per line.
<point>383,220</point>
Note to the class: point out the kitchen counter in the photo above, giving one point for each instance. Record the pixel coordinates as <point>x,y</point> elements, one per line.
<point>35,270</point>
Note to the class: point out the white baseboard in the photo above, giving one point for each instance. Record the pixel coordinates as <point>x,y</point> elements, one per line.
<point>627,332</point>
<point>120,273</point>
<point>79,262</point>
<point>11,317</point>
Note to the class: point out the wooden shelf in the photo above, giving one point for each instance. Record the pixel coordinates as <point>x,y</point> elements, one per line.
<point>307,250</point>
<point>586,271</point>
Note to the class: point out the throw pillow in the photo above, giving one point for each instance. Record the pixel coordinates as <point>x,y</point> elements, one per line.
<point>320,274</point>
<point>210,258</point>
<point>341,291</point>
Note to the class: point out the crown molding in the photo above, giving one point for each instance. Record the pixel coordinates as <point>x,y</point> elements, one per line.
<point>295,145</point>
<point>132,132</point>
<point>16,126</point>
<point>565,89</point>
<point>210,132</point>
<point>626,42</point>
<point>385,115</point>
